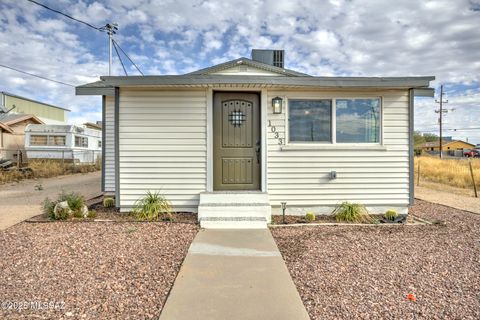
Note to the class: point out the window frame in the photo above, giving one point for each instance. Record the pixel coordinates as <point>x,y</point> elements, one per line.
<point>75,141</point>
<point>287,128</point>
<point>48,140</point>
<point>333,119</point>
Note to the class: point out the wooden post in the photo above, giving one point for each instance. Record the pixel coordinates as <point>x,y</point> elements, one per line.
<point>473,178</point>
<point>418,174</point>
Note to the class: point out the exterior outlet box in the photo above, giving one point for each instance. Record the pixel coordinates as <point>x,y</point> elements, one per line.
<point>333,175</point>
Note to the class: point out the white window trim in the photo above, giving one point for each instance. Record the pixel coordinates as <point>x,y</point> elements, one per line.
<point>333,145</point>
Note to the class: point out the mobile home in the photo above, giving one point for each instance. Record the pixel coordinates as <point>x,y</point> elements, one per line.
<point>63,142</point>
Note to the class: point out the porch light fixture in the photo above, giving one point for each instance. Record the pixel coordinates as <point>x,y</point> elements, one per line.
<point>277,104</point>
<point>284,207</point>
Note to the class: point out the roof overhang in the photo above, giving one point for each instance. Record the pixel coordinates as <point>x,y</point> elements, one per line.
<point>5,127</point>
<point>106,86</point>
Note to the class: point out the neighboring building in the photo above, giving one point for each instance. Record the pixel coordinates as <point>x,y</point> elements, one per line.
<point>234,141</point>
<point>447,145</point>
<point>12,134</point>
<point>48,113</point>
<point>91,125</point>
<point>63,142</point>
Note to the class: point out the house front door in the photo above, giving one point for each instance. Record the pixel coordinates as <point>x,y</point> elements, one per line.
<point>236,141</point>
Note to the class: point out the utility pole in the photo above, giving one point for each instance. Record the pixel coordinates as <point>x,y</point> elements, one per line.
<point>111,29</point>
<point>440,120</point>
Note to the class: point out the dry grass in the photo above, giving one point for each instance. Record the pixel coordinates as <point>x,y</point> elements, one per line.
<point>48,169</point>
<point>452,172</point>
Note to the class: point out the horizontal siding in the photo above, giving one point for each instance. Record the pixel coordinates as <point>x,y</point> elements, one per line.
<point>163,145</point>
<point>370,177</point>
<point>109,144</point>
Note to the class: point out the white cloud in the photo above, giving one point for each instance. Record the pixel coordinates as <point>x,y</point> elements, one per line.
<point>337,37</point>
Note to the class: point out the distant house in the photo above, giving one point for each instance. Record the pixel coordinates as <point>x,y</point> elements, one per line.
<point>47,113</point>
<point>236,140</point>
<point>95,126</point>
<point>447,145</point>
<point>63,142</point>
<point>12,134</point>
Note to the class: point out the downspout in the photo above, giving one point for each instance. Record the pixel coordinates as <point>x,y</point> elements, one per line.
<point>117,151</point>
<point>411,165</point>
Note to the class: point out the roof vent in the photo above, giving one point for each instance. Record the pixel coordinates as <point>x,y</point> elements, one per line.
<point>274,58</point>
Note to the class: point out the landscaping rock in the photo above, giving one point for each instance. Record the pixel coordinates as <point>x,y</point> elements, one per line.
<point>84,211</point>
<point>407,272</point>
<point>91,270</point>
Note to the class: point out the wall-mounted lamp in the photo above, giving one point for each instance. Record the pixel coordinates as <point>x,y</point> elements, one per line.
<point>284,207</point>
<point>277,104</point>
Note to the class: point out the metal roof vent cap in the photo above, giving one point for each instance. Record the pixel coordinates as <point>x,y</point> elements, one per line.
<point>274,58</point>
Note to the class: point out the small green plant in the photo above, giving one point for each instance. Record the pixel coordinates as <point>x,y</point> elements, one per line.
<point>390,215</point>
<point>75,202</point>
<point>151,206</point>
<point>77,214</point>
<point>48,207</point>
<point>108,202</point>
<point>63,214</point>
<point>310,217</point>
<point>92,214</point>
<point>351,212</point>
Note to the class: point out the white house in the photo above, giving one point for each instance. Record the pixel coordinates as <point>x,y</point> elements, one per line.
<point>68,143</point>
<point>233,141</point>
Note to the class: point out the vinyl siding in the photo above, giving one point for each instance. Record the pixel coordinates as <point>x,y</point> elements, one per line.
<point>109,145</point>
<point>162,145</point>
<point>372,177</point>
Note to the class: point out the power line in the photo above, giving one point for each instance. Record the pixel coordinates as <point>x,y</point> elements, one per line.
<point>120,58</point>
<point>65,15</point>
<point>101,29</point>
<point>35,75</point>
<point>115,42</point>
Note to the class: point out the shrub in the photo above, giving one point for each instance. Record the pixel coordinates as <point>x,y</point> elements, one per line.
<point>48,207</point>
<point>75,202</point>
<point>92,214</point>
<point>108,202</point>
<point>390,215</point>
<point>351,212</point>
<point>151,206</point>
<point>62,214</point>
<point>310,217</point>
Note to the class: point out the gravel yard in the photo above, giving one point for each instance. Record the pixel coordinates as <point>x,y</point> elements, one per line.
<point>91,270</point>
<point>366,272</point>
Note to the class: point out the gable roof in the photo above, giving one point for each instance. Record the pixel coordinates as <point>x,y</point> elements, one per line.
<point>12,118</point>
<point>248,62</point>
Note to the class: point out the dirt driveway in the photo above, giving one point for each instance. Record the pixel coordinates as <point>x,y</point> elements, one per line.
<point>447,196</point>
<point>20,201</point>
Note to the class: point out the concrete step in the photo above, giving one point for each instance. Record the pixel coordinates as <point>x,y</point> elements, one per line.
<point>238,210</point>
<point>228,197</point>
<point>233,222</point>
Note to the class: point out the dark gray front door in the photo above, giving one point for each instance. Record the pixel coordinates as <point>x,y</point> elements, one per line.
<point>236,141</point>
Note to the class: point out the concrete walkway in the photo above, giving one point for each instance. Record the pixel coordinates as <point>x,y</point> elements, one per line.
<point>234,274</point>
<point>20,201</point>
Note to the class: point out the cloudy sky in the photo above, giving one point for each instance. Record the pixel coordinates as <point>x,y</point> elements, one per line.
<point>324,38</point>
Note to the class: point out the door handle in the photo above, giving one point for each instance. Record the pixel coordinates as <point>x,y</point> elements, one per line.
<point>257,150</point>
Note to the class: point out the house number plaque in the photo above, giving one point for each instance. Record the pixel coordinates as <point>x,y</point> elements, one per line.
<point>273,129</point>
